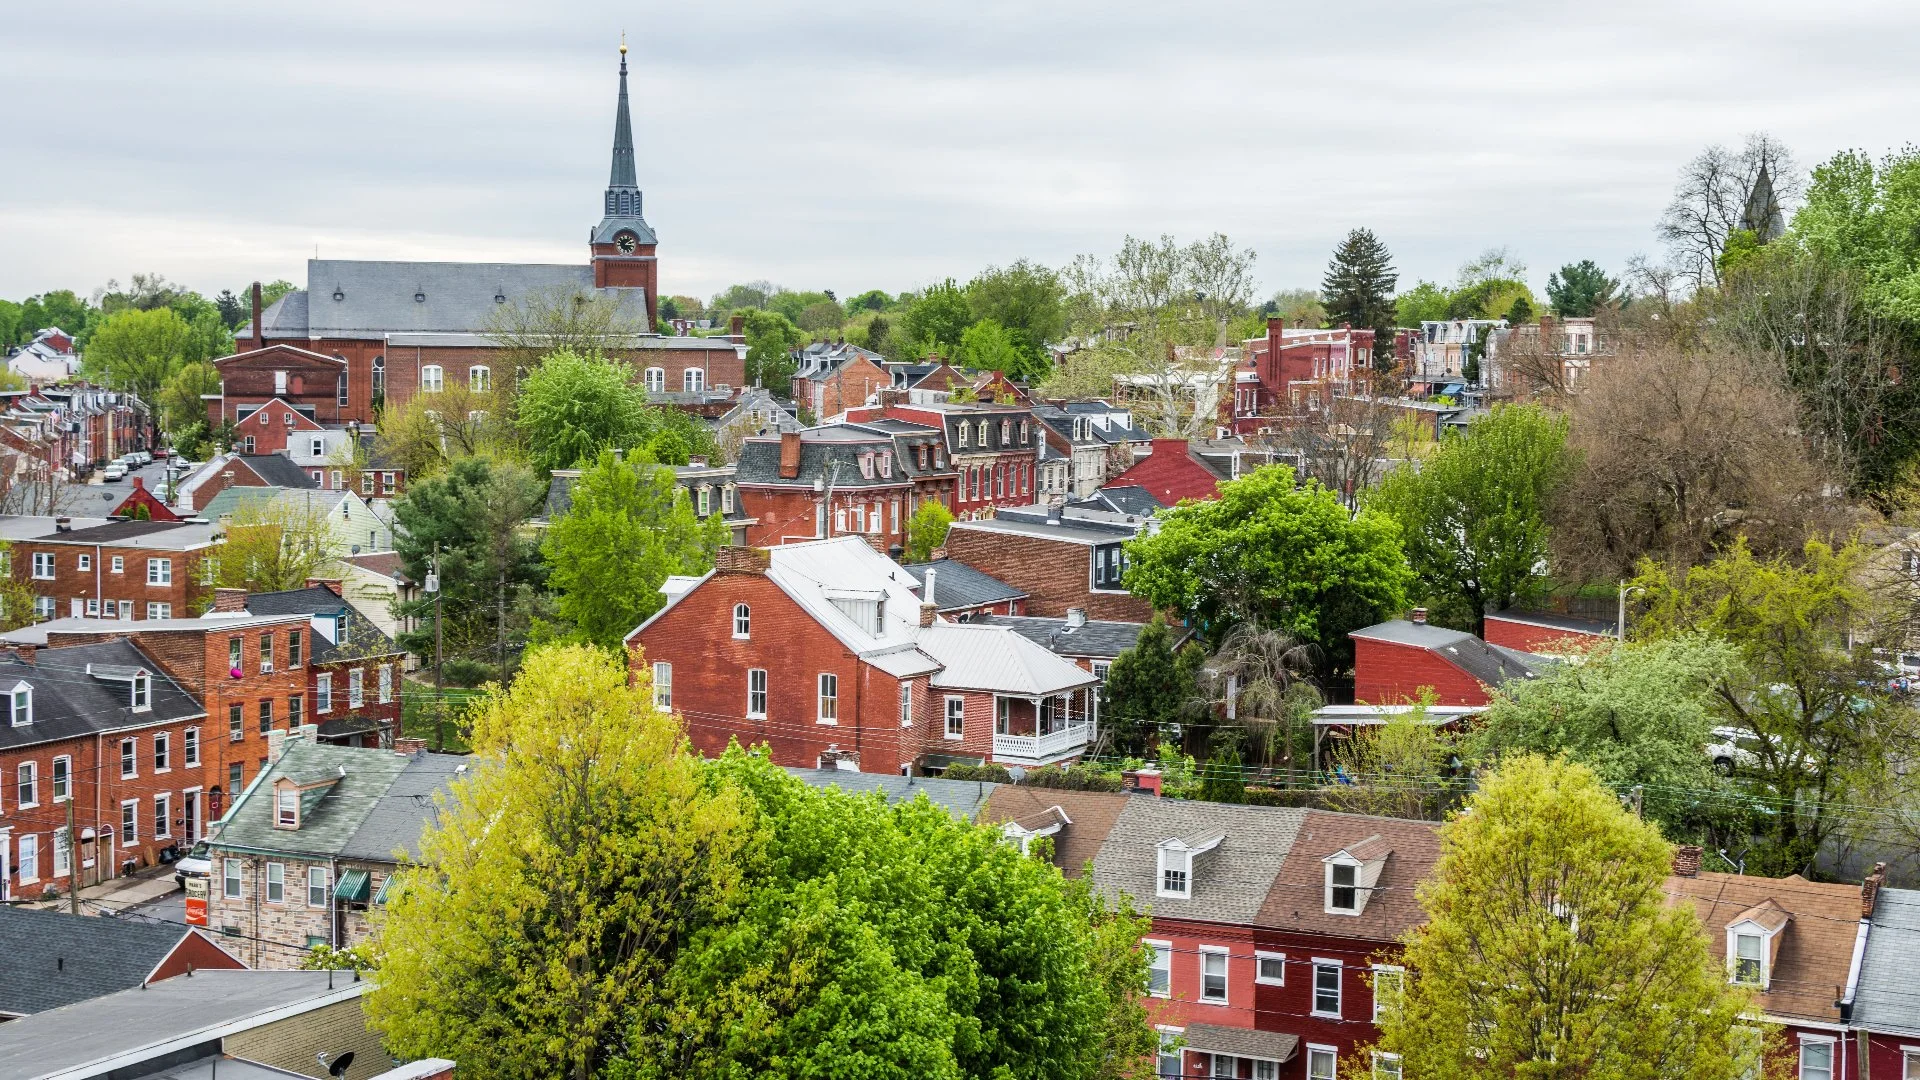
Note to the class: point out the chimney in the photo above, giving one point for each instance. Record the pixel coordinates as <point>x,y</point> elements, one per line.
<point>737,330</point>
<point>1686,860</point>
<point>742,560</point>
<point>789,455</point>
<point>225,599</point>
<point>258,340</point>
<point>1418,615</point>
<point>927,613</point>
<point>1145,781</point>
<point>63,524</point>
<point>26,653</point>
<point>140,483</point>
<point>1870,888</point>
<point>926,591</point>
<point>407,746</point>
<point>276,742</point>
<point>938,554</point>
<point>332,585</point>
<point>1076,618</point>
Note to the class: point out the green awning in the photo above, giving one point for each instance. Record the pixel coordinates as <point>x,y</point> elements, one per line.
<point>353,887</point>
<point>380,894</point>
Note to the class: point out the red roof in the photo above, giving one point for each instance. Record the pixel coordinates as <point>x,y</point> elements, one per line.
<point>1171,473</point>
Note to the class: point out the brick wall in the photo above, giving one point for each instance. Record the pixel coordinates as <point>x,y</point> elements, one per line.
<point>99,581</point>
<point>371,707</point>
<point>1289,1007</point>
<point>277,935</point>
<point>196,952</point>
<point>1528,637</point>
<point>291,1044</point>
<point>267,425</point>
<point>1054,574</point>
<point>1385,673</point>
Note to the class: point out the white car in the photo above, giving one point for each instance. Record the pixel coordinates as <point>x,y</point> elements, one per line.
<point>114,470</point>
<point>141,457</point>
<point>195,863</point>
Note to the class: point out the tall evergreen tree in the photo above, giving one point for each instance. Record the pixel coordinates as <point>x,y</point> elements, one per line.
<point>1358,289</point>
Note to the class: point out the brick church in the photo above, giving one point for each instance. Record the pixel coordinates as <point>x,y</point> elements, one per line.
<point>363,332</point>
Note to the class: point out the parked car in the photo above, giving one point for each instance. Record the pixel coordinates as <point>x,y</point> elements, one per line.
<point>141,457</point>
<point>114,470</point>
<point>195,863</point>
<point>1726,751</point>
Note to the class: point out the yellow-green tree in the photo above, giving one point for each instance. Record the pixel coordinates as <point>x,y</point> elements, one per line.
<point>1551,952</point>
<point>565,871</point>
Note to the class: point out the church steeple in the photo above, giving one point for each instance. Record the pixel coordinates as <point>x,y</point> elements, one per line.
<point>623,179</point>
<point>623,242</point>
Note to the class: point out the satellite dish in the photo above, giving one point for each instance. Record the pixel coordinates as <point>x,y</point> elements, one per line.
<point>340,1064</point>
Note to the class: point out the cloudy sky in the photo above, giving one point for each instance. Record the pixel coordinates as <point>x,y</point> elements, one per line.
<point>883,145</point>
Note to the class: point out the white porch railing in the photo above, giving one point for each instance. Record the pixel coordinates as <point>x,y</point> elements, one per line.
<point>1039,748</point>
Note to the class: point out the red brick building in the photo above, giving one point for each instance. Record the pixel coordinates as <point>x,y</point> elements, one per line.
<point>994,451</point>
<point>823,652</point>
<point>1171,472</point>
<point>354,670</point>
<point>1062,560</point>
<point>225,471</point>
<point>1397,662</point>
<point>144,505</point>
<point>94,568</point>
<point>829,379</point>
<point>840,480</point>
<point>1288,370</point>
<point>1541,632</point>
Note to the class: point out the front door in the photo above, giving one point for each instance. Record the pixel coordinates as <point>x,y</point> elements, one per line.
<point>190,807</point>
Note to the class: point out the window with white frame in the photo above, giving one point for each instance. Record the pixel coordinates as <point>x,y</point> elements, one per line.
<point>479,379</point>
<point>693,380</point>
<point>20,705</point>
<point>1323,1062</point>
<point>159,571</point>
<point>662,685</point>
<point>1909,1063</point>
<point>1213,975</point>
<point>142,696</point>
<point>829,712</point>
<point>86,562</point>
<point>432,379</point>
<point>162,815</point>
<point>119,564</point>
<point>355,689</point>
<point>1749,955</point>
<point>703,500</point>
<point>1270,968</point>
<point>29,861</point>
<point>276,883</point>
<point>43,565</point>
<point>742,622</point>
<point>316,886</point>
<point>323,692</point>
<point>656,380</point>
<point>1265,1070</point>
<point>230,878</point>
<point>906,705</point>
<point>43,608</point>
<point>1386,1066</point>
<point>159,611</point>
<point>1168,1064</point>
<point>1159,967</point>
<point>964,428</point>
<point>1326,987</point>
<point>286,809</point>
<point>27,788</point>
<point>129,758</point>
<point>757,693</point>
<point>956,717</point>
<point>1389,984</point>
<point>62,778</point>
<point>190,747</point>
<point>62,852</point>
<point>1816,1058</point>
<point>1343,889</point>
<point>130,823</point>
<point>1225,1067</point>
<point>726,499</point>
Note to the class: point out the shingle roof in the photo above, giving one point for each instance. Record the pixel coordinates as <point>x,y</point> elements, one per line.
<point>69,701</point>
<point>387,564</point>
<point>327,828</point>
<point>278,470</point>
<point>1297,899</point>
<point>1093,638</point>
<point>820,450</point>
<point>1816,947</point>
<point>120,532</point>
<point>397,819</point>
<point>1229,884</point>
<point>963,798</point>
<point>1123,499</point>
<point>1092,814</point>
<point>1241,1042</point>
<point>363,637</point>
<point>55,959</point>
<point>1885,999</point>
<point>957,585</point>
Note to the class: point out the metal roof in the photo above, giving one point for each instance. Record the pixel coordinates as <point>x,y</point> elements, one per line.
<point>964,799</point>
<point>1092,638</point>
<point>1492,665</point>
<point>974,656</point>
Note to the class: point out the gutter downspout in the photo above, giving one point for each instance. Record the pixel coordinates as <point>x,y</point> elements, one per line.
<point>1845,1004</point>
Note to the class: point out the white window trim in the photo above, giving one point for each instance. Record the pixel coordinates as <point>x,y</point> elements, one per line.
<point>1226,975</point>
<point>29,869</point>
<point>32,770</point>
<point>1381,1055</point>
<point>662,686</point>
<point>233,885</point>
<point>129,837</point>
<point>1800,1055</point>
<point>742,613</point>
<point>820,699</point>
<point>1386,969</point>
<point>1339,987</point>
<point>325,884</point>
<point>1734,934</point>
<point>266,883</point>
<point>760,713</point>
<point>1162,960</point>
<point>163,813</point>
<point>162,739</point>
<point>53,775</point>
<point>126,759</point>
<point>43,559</point>
<point>947,715</point>
<point>1332,1051</point>
<point>1262,954</point>
<point>190,748</point>
<point>323,693</point>
<point>1331,907</point>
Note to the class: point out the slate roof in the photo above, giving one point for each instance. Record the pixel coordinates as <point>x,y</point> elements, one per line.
<point>396,821</point>
<point>68,702</point>
<point>1123,499</point>
<point>1492,665</point>
<point>820,449</point>
<point>278,470</point>
<point>1092,815</point>
<point>1816,948</point>
<point>1885,997</point>
<point>957,585</point>
<point>173,1014</point>
<point>1230,883</point>
<point>377,297</point>
<point>55,959</point>
<point>1094,638</point>
<point>964,799</point>
<point>329,826</point>
<point>363,637</point>
<point>1297,898</point>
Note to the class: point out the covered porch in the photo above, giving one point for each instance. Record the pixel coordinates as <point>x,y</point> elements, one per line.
<point>1042,729</point>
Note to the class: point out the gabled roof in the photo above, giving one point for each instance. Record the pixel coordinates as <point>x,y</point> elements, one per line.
<point>363,637</point>
<point>978,657</point>
<point>1122,499</point>
<point>1229,883</point>
<point>279,348</point>
<point>377,297</point>
<point>1815,949</point>
<point>1492,665</point>
<point>957,585</point>
<point>83,690</point>
<point>1092,815</point>
<point>329,827</point>
<point>55,959</point>
<point>277,470</point>
<point>1171,472</point>
<point>1297,899</point>
<point>821,449</point>
<point>1885,999</point>
<point>1094,638</point>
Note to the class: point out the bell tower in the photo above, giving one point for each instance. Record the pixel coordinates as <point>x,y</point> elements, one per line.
<point>623,243</point>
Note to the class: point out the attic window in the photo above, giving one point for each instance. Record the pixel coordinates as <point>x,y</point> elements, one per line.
<point>1753,943</point>
<point>142,692</point>
<point>21,704</point>
<point>1351,874</point>
<point>286,808</point>
<point>1343,893</point>
<point>1174,877</point>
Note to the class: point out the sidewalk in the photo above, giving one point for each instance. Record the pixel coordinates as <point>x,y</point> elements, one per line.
<point>121,893</point>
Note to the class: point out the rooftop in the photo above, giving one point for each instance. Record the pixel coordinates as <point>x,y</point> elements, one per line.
<point>964,799</point>
<point>957,585</point>
<point>328,827</point>
<point>1092,638</point>
<point>85,690</point>
<point>1885,998</point>
<point>56,959</point>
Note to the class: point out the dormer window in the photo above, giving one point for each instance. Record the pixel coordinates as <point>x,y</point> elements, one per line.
<point>1024,831</point>
<point>964,428</point>
<point>886,464</point>
<point>1749,959</point>
<point>21,704</point>
<point>1343,892</point>
<point>286,808</point>
<point>142,692</point>
<point>866,465</point>
<point>1175,871</point>
<point>1753,944</point>
<point>983,434</point>
<point>1351,874</point>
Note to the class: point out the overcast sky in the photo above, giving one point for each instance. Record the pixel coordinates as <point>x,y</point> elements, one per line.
<point>884,145</point>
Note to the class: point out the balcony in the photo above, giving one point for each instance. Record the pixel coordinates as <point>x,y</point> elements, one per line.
<point>1042,749</point>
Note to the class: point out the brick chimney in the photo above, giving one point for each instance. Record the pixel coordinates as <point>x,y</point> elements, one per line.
<point>938,554</point>
<point>26,653</point>
<point>789,455</point>
<point>225,599</point>
<point>139,483</point>
<point>737,330</point>
<point>1870,888</point>
<point>407,746</point>
<point>1418,615</point>
<point>1269,374</point>
<point>336,586</point>
<point>1686,860</point>
<point>259,341</point>
<point>742,560</point>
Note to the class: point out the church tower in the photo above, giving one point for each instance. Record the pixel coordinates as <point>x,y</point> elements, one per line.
<point>623,242</point>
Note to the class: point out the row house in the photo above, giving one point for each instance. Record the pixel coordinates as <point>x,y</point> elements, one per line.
<point>710,489</point>
<point>97,568</point>
<point>1287,370</point>
<point>1176,471</point>
<point>249,674</point>
<point>69,430</point>
<point>1444,349</point>
<point>1881,1005</point>
<point>335,457</point>
<point>823,651</point>
<point>105,760</point>
<point>993,450</point>
<point>831,377</point>
<point>1062,558</point>
<point>1399,661</point>
<point>822,482</point>
<point>355,670</point>
<point>308,851</point>
<point>1086,447</point>
<point>1545,358</point>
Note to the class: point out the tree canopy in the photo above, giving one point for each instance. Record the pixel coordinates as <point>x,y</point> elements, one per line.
<point>1581,289</point>
<point>572,407</point>
<point>927,529</point>
<point>1358,287</point>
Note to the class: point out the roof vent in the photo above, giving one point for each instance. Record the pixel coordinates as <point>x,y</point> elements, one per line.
<point>500,294</point>
<point>419,296</point>
<point>338,294</point>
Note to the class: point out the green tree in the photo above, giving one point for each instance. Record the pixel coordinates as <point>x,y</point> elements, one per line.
<point>987,346</point>
<point>629,527</point>
<point>475,512</point>
<point>1028,300</point>
<point>752,294</point>
<point>572,407</point>
<point>1550,948</point>
<point>272,545</point>
<point>560,879</point>
<point>1300,307</point>
<point>1267,550</point>
<point>139,351</point>
<point>1634,714</point>
<point>871,300</point>
<point>59,308</point>
<point>11,330</point>
<point>771,339</point>
<point>181,401</point>
<point>792,304</point>
<point>16,595</point>
<point>1358,287</point>
<point>1473,515</point>
<point>1425,302</point>
<point>1403,768</point>
<point>820,316</point>
<point>927,529</point>
<point>1580,290</point>
<point>937,319</point>
<point>1822,731</point>
<point>1147,690</point>
<point>1866,218</point>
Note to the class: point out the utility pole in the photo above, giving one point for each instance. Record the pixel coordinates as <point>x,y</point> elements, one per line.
<point>439,699</point>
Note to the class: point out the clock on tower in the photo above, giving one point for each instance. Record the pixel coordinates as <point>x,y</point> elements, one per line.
<point>625,242</point>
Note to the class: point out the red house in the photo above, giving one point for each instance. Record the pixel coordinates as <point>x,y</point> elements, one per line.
<point>1287,370</point>
<point>1397,662</point>
<point>1542,632</point>
<point>354,673</point>
<point>140,499</point>
<point>1172,473</point>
